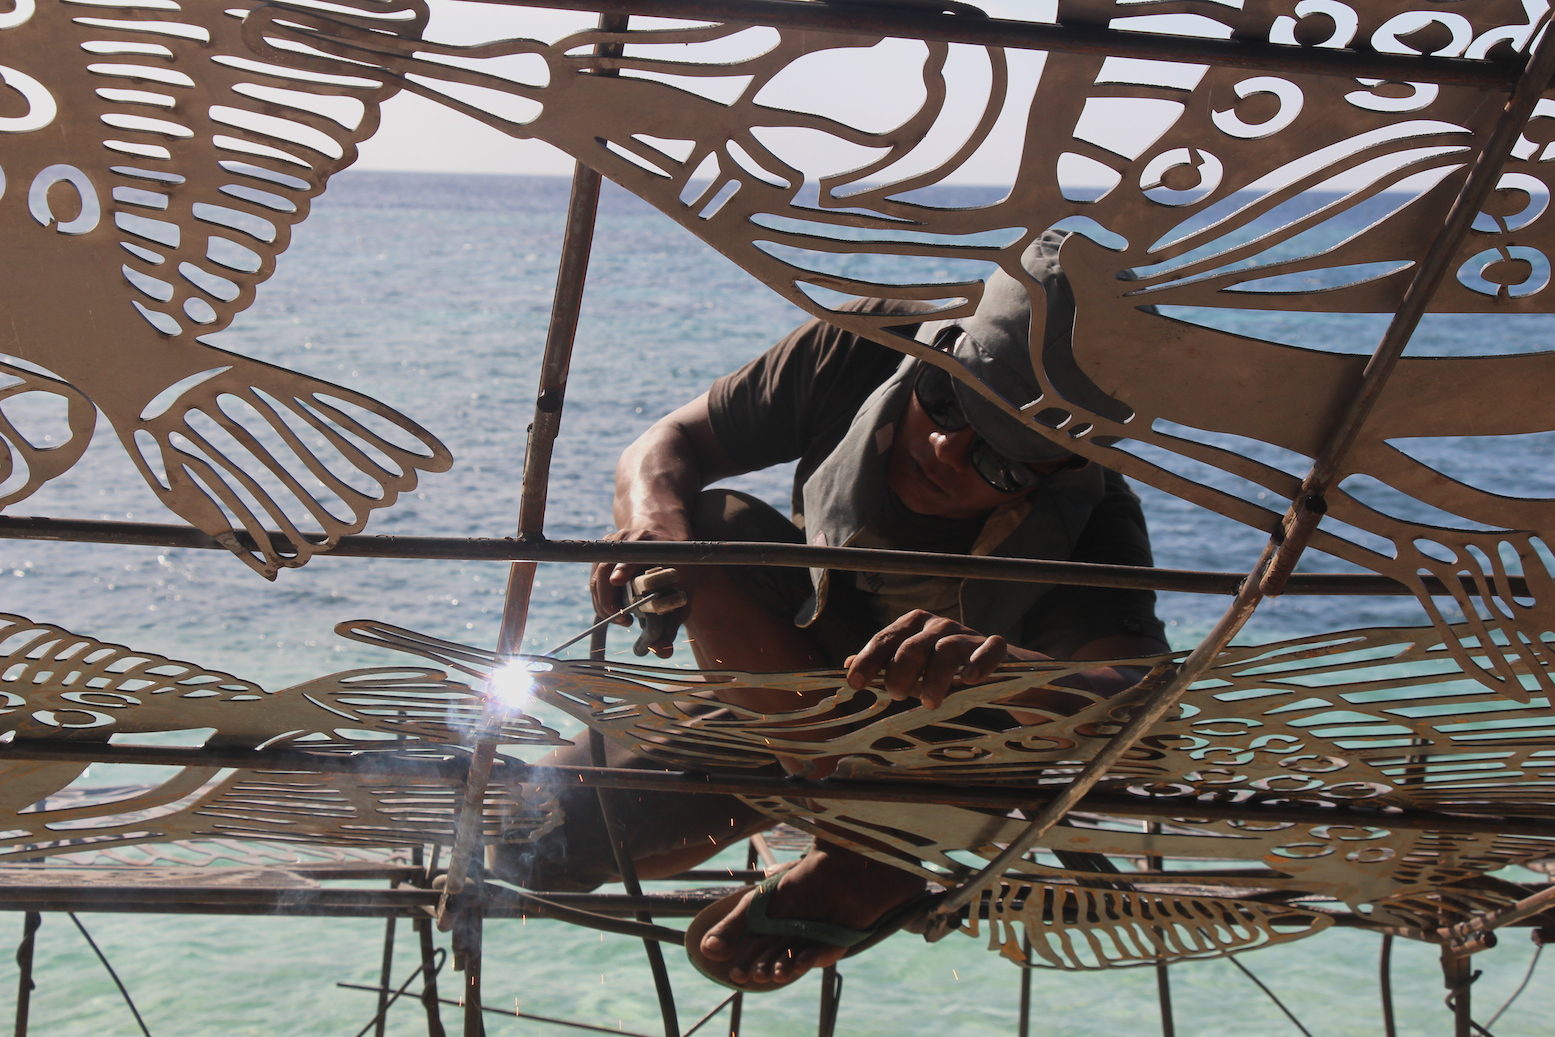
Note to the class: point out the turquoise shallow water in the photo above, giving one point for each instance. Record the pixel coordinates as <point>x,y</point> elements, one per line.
<point>431,293</point>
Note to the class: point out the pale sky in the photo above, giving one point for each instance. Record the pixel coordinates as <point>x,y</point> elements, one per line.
<point>420,135</point>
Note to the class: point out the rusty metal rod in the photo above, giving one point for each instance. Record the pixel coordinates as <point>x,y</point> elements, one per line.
<point>555,363</point>
<point>513,1014</point>
<point>1003,798</point>
<point>1474,931</point>
<point>707,552</point>
<point>932,24</point>
<point>1307,510</point>
<point>1159,691</point>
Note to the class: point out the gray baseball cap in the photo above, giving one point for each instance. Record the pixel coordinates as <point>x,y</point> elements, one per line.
<point>997,349</point>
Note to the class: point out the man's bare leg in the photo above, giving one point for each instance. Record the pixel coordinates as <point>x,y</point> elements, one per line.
<point>728,630</point>
<point>830,884</point>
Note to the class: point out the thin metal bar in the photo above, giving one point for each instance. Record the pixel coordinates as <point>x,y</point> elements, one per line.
<point>113,973</point>
<point>1023,1024</point>
<point>626,867</point>
<point>931,24</point>
<point>1161,690</point>
<point>736,1013</point>
<point>24,984</point>
<point>386,998</point>
<point>386,976</point>
<point>831,1002</point>
<point>719,1007</point>
<point>472,925</point>
<point>1271,995</point>
<point>1473,932</point>
<point>566,304</point>
<point>429,998</point>
<point>1307,510</point>
<point>1163,976</point>
<point>798,556</point>
<point>1385,985</point>
<point>976,797</point>
<point>429,963</point>
<point>618,1032</point>
<point>1458,980</point>
<point>1163,992</point>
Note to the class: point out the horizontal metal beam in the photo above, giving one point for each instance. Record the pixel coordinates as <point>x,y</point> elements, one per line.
<point>1000,798</point>
<point>930,23</point>
<point>708,552</point>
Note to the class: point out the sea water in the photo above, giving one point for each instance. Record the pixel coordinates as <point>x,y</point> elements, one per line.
<point>431,293</point>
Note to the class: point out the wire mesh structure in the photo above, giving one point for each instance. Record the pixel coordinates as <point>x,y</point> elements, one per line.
<point>1369,778</point>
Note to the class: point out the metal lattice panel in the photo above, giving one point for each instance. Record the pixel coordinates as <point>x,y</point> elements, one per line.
<point>1071,927</point>
<point>1223,196</point>
<point>154,179</point>
<point>60,686</point>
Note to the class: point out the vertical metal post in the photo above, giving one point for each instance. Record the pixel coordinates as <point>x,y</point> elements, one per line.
<point>831,1001</point>
<point>385,976</point>
<point>1385,987</point>
<point>1458,980</point>
<point>423,928</point>
<point>472,919</point>
<point>24,984</point>
<point>1163,978</point>
<point>1023,1027</point>
<point>627,867</point>
<point>566,304</point>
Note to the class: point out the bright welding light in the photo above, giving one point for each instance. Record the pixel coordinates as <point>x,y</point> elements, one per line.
<point>513,684</point>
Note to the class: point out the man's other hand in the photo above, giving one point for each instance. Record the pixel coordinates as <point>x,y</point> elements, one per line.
<point>921,654</point>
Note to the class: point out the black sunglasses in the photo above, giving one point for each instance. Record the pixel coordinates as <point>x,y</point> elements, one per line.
<point>936,393</point>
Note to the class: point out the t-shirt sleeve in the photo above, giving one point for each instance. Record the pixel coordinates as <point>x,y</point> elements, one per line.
<point>1068,618</point>
<point>773,408</point>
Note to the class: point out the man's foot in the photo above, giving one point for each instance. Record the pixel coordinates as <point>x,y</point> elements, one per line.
<point>829,885</point>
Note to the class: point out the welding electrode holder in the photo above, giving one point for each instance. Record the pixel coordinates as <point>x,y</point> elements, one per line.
<point>653,596</point>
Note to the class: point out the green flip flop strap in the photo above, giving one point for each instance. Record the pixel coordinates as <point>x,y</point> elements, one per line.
<point>757,921</point>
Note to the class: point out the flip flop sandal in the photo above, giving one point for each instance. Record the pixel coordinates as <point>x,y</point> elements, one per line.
<point>758,922</point>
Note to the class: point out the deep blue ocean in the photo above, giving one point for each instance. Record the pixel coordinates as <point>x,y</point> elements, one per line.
<point>431,293</point>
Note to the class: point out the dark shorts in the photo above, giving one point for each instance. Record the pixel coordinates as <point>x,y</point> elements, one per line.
<point>843,625</point>
<point>577,856</point>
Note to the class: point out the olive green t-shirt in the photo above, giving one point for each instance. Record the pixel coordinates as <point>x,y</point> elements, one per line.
<point>795,403</point>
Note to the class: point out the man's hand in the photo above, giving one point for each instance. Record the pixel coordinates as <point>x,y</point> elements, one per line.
<point>607,585</point>
<point>921,654</point>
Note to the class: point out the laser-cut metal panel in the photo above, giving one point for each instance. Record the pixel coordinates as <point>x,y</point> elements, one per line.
<point>59,685</point>
<point>1219,199</point>
<point>1075,928</point>
<point>56,684</point>
<point>155,171</point>
<point>199,803</point>
<point>1383,874</point>
<point>1384,716</point>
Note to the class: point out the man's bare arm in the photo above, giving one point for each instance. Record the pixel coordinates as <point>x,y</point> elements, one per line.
<point>657,479</point>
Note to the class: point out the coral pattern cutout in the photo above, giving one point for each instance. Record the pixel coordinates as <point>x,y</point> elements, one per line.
<point>1221,195</point>
<point>151,172</point>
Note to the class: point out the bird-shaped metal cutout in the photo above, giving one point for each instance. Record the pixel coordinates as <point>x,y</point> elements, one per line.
<point>151,171</point>
<point>1221,188</point>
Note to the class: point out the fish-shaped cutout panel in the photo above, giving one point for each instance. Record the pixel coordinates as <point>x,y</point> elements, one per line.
<point>151,172</point>
<point>1225,189</point>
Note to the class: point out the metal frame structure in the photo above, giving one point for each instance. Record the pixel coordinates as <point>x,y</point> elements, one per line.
<point>463,901</point>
